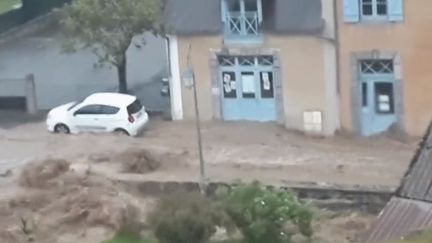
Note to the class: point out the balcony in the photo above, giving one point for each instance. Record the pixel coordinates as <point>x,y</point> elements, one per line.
<point>242,26</point>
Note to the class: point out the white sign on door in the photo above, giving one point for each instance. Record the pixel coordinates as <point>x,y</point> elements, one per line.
<point>248,83</point>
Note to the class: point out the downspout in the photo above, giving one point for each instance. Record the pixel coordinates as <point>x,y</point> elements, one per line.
<point>334,40</point>
<point>332,37</point>
<point>337,45</point>
<point>168,52</point>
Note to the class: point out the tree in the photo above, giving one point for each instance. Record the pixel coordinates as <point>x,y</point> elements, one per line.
<point>109,27</point>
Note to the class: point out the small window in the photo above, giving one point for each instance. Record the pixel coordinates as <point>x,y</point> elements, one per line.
<point>364,94</point>
<point>265,60</point>
<point>89,110</point>
<point>134,107</point>
<point>246,60</point>
<point>226,61</point>
<point>109,110</point>
<point>367,8</point>
<point>248,84</point>
<point>374,8</point>
<point>384,98</point>
<point>376,66</point>
<point>267,89</point>
<point>382,7</point>
<point>229,85</point>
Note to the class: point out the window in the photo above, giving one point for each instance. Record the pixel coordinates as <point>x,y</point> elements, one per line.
<point>266,81</point>
<point>109,110</point>
<point>135,107</point>
<point>387,10</point>
<point>265,60</point>
<point>248,84</point>
<point>376,66</point>
<point>374,8</point>
<point>229,85</point>
<point>226,61</point>
<point>241,17</point>
<point>89,110</point>
<point>246,60</point>
<point>384,98</point>
<point>364,94</point>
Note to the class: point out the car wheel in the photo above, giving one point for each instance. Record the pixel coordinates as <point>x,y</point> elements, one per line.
<point>62,129</point>
<point>121,132</point>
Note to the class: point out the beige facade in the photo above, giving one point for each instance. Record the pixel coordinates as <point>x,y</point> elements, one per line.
<point>307,73</point>
<point>410,41</point>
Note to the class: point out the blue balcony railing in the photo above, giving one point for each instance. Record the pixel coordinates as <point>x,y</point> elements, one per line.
<point>242,24</point>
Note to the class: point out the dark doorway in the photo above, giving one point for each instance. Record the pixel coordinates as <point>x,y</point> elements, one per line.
<point>13,103</point>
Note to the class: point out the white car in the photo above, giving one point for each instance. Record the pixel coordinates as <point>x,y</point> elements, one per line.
<point>100,112</point>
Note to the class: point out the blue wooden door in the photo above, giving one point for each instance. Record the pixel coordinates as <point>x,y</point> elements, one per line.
<point>248,92</point>
<point>378,104</point>
<point>377,111</point>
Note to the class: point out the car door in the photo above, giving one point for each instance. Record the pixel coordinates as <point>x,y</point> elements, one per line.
<point>109,119</point>
<point>86,118</point>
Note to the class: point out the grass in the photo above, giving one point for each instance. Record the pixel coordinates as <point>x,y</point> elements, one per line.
<point>6,5</point>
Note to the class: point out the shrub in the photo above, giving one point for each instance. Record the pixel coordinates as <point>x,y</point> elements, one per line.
<point>264,215</point>
<point>186,218</point>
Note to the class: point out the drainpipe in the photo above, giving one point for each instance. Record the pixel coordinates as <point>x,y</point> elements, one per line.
<point>168,52</point>
<point>334,40</point>
<point>337,45</point>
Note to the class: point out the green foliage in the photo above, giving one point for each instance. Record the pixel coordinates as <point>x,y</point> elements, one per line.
<point>186,218</point>
<point>108,28</point>
<point>6,5</point>
<point>264,215</point>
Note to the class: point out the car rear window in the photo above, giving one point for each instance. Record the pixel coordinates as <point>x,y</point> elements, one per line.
<point>134,107</point>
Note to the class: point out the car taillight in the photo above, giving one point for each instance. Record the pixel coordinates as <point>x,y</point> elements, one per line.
<point>131,119</point>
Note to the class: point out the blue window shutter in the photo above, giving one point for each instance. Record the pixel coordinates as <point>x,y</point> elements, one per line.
<point>259,8</point>
<point>351,11</point>
<point>396,10</point>
<point>224,10</point>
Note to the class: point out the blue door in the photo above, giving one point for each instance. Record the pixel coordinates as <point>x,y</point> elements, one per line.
<point>248,89</point>
<point>377,111</point>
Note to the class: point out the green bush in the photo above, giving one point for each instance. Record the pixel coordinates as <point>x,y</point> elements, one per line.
<point>264,215</point>
<point>186,218</point>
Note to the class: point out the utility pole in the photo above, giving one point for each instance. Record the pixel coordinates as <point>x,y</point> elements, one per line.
<point>190,82</point>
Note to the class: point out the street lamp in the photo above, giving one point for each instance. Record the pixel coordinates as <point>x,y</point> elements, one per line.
<point>188,79</point>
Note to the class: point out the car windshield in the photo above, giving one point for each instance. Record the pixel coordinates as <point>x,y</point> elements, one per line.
<point>74,105</point>
<point>134,107</point>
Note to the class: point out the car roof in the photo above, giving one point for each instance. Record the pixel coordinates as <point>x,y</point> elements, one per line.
<point>111,99</point>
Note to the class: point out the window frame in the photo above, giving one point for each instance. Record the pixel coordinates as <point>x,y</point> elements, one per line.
<point>374,16</point>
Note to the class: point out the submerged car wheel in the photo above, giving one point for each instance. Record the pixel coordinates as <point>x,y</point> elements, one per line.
<point>121,132</point>
<point>62,129</point>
